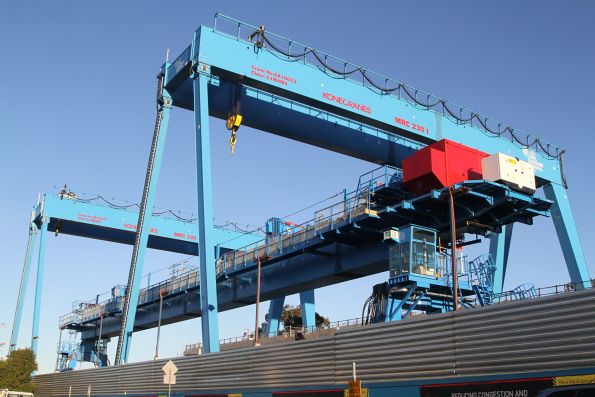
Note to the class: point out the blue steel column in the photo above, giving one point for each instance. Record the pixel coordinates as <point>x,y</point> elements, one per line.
<point>208,285</point>
<point>308,309</point>
<point>143,228</point>
<point>18,314</point>
<point>499,250</point>
<point>275,312</point>
<point>38,287</point>
<point>567,234</point>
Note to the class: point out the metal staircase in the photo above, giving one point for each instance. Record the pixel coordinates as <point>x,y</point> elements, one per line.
<point>481,271</point>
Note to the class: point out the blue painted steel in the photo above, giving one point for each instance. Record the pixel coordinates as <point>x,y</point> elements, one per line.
<point>38,288</point>
<point>260,68</point>
<point>396,313</point>
<point>309,260</point>
<point>100,221</point>
<point>329,226</point>
<point>236,59</point>
<point>18,315</point>
<point>308,307</point>
<point>278,115</point>
<point>208,277</point>
<point>312,255</point>
<point>274,317</point>
<point>568,234</point>
<point>413,304</point>
<point>499,250</point>
<point>144,232</point>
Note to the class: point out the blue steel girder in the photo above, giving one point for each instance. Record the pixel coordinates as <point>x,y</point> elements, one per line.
<point>499,251</point>
<point>234,60</point>
<point>82,218</point>
<point>568,235</point>
<point>18,314</point>
<point>413,304</point>
<point>38,288</point>
<point>395,313</point>
<point>430,210</point>
<point>274,316</point>
<point>498,205</point>
<point>208,277</point>
<point>296,274</point>
<point>308,308</point>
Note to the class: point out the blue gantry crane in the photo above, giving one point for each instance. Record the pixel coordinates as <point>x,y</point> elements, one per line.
<point>105,219</point>
<point>292,90</point>
<point>248,76</point>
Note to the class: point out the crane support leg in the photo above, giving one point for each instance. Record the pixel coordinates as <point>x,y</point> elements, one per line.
<point>397,313</point>
<point>568,234</point>
<point>499,250</point>
<point>18,313</point>
<point>38,288</point>
<point>208,286</point>
<point>275,312</point>
<point>142,231</point>
<point>308,307</point>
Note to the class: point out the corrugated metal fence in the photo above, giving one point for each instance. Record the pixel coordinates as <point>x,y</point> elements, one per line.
<point>552,333</point>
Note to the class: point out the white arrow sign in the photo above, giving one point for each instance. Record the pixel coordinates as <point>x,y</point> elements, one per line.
<point>170,370</point>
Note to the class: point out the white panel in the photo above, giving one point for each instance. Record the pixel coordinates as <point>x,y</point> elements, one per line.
<point>515,173</point>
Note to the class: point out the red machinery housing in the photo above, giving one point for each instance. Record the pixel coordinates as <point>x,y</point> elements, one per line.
<point>441,164</point>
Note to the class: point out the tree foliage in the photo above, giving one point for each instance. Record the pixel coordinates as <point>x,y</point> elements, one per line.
<point>292,317</point>
<point>15,371</point>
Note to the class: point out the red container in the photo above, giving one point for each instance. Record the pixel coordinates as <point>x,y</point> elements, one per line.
<point>441,164</point>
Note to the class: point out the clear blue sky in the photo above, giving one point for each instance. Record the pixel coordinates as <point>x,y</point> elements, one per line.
<point>77,107</point>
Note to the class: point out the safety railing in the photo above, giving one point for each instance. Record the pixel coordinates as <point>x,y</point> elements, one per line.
<point>68,318</point>
<point>172,285</point>
<point>85,311</point>
<point>339,214</point>
<point>336,215</point>
<point>286,331</point>
<point>353,205</point>
<point>337,67</point>
<point>270,246</point>
<point>444,269</point>
<point>92,312</point>
<point>193,347</point>
<point>528,291</point>
<point>382,176</point>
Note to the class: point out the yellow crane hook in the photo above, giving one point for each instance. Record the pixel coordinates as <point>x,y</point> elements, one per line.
<point>233,124</point>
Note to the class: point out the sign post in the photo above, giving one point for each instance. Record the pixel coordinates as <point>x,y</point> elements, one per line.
<point>355,386</point>
<point>169,377</point>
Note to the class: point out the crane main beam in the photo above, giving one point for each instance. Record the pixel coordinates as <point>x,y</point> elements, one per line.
<point>278,90</point>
